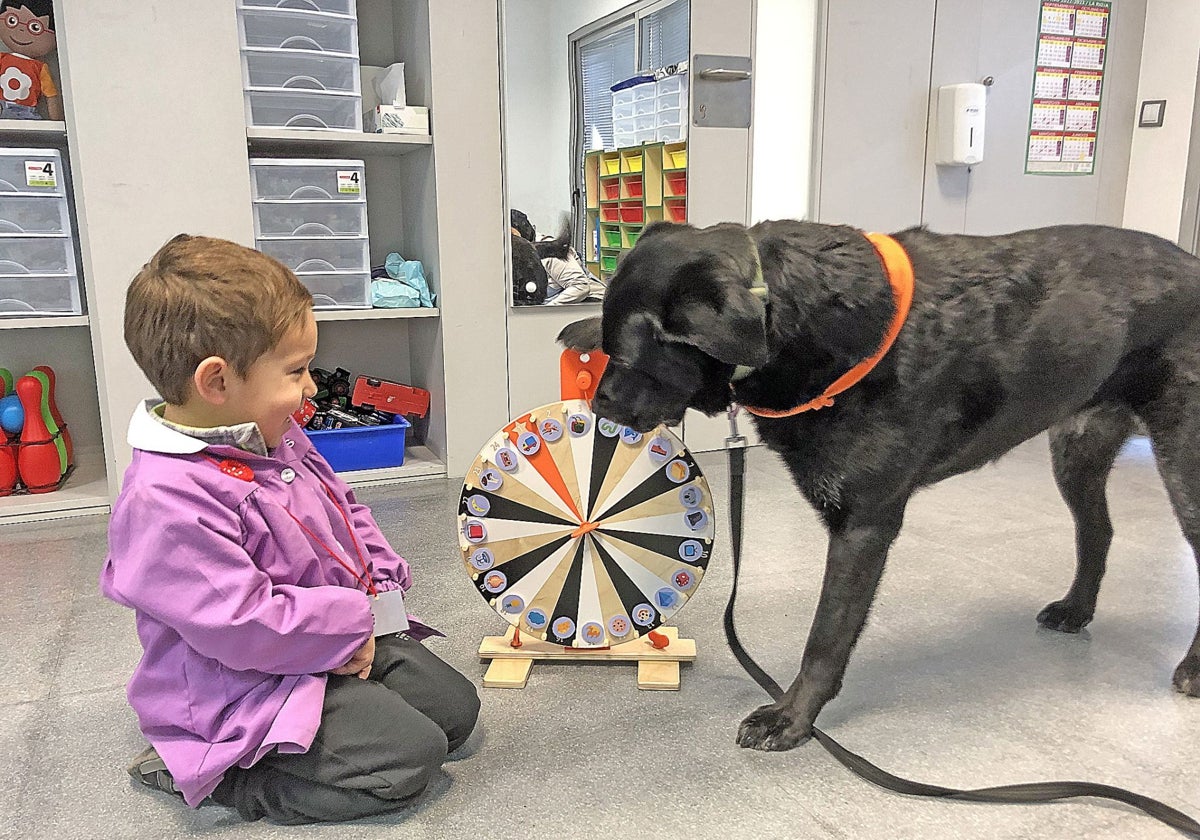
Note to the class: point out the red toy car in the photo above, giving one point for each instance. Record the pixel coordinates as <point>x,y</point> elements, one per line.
<point>392,397</point>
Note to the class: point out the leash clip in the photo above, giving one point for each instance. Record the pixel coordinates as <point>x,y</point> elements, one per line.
<point>735,440</point>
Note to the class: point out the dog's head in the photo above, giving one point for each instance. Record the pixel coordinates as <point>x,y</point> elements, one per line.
<point>678,318</point>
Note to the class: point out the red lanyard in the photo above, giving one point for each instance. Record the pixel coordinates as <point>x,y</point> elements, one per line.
<point>365,579</point>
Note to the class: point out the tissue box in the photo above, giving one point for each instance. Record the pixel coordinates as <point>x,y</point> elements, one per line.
<point>392,119</point>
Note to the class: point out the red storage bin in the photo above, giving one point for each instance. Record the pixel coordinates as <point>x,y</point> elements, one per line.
<point>610,189</point>
<point>676,183</point>
<point>632,213</point>
<point>610,213</point>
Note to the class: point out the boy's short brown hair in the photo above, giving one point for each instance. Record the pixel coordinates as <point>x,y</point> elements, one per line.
<point>200,297</point>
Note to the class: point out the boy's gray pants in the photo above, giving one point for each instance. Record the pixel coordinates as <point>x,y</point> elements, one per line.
<point>380,742</point>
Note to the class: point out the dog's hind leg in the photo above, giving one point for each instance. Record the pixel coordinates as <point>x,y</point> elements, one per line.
<point>1082,450</point>
<point>853,567</point>
<point>1173,420</point>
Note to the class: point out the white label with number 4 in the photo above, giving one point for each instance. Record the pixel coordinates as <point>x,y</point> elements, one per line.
<point>41,173</point>
<point>349,181</point>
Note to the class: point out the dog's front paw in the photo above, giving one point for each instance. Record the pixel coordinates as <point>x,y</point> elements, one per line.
<point>1187,676</point>
<point>772,728</point>
<point>1064,616</point>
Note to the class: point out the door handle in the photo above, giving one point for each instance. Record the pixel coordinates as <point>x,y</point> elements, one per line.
<point>720,74</point>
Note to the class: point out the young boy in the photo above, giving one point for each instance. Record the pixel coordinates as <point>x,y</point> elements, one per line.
<point>259,582</point>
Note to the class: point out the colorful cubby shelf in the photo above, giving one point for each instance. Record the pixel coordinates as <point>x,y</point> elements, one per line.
<point>627,189</point>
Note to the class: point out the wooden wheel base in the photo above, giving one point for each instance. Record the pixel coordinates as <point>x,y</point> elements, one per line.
<point>658,670</point>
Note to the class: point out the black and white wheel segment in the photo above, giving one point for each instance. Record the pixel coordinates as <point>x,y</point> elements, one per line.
<point>582,532</point>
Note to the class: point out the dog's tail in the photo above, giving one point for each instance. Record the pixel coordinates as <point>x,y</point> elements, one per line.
<point>559,246</point>
<point>581,336</point>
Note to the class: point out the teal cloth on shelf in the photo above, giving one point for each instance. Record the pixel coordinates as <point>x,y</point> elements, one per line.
<point>404,287</point>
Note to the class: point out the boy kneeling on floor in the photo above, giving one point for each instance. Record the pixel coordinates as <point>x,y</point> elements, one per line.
<point>273,678</point>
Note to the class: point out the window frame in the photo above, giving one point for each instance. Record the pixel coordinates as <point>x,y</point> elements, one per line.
<point>634,13</point>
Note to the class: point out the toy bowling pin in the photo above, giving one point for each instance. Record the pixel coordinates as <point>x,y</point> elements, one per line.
<point>8,467</point>
<point>8,454</point>
<point>58,418</point>
<point>51,421</point>
<point>38,461</point>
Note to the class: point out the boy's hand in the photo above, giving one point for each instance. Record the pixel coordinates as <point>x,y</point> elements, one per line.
<point>360,662</point>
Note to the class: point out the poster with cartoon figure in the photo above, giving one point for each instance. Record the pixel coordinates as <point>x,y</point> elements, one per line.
<point>27,34</point>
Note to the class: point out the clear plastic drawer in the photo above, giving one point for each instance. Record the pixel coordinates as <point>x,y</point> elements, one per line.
<point>672,84</point>
<point>285,29</point>
<point>645,90</point>
<point>35,171</point>
<point>677,99</point>
<point>670,116</point>
<point>33,214</point>
<point>307,179</point>
<point>311,219</point>
<point>39,295</point>
<point>286,70</point>
<point>36,255</point>
<point>337,7</point>
<point>319,255</point>
<point>622,97</point>
<point>287,109</point>
<point>339,291</point>
<point>670,133</point>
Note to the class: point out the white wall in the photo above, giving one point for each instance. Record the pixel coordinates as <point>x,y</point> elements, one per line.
<point>537,103</point>
<point>875,170</point>
<point>784,89</point>
<point>1158,162</point>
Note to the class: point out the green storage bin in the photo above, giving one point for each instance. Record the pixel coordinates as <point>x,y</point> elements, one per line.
<point>611,236</point>
<point>608,262</point>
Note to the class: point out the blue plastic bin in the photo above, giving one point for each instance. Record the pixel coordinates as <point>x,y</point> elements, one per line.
<point>363,447</point>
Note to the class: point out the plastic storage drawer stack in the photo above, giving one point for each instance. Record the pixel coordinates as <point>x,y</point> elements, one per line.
<point>635,115</point>
<point>300,64</point>
<point>37,244</point>
<point>671,96</point>
<point>311,215</point>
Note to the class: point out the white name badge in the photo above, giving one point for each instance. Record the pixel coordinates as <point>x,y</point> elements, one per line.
<point>390,614</point>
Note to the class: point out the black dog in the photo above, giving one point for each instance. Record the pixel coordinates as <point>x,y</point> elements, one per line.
<point>1081,330</point>
<point>530,279</point>
<point>529,276</point>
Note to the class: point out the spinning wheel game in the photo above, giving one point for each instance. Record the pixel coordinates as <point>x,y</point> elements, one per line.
<point>581,532</point>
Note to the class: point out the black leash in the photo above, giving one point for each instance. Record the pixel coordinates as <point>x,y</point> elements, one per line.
<point>1028,793</point>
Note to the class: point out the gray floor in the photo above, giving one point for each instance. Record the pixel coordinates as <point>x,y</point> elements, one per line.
<point>952,683</point>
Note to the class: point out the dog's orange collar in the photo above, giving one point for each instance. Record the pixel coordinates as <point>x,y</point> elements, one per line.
<point>898,268</point>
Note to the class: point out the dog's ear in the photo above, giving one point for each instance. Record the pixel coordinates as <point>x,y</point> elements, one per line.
<point>581,336</point>
<point>722,319</point>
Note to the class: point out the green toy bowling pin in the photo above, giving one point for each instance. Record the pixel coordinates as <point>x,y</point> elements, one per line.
<point>53,418</point>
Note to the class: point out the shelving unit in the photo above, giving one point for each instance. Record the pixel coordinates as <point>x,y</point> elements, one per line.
<point>302,141</point>
<point>375,314</point>
<point>43,322</point>
<point>398,219</point>
<point>84,494</point>
<point>63,342</point>
<point>627,189</point>
<point>20,132</point>
<point>167,162</point>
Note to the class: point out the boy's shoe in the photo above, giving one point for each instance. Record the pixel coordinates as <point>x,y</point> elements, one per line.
<point>151,771</point>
